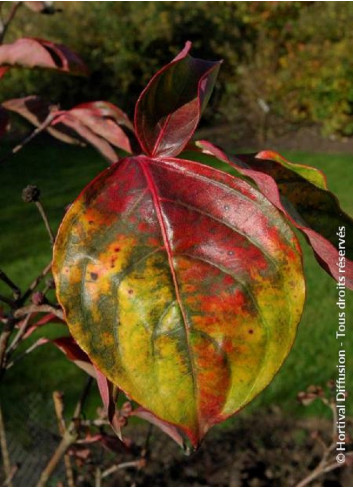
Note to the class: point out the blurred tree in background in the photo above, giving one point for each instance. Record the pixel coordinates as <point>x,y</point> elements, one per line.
<point>286,64</point>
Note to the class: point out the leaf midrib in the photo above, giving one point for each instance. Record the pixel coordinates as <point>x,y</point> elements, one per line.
<point>156,201</point>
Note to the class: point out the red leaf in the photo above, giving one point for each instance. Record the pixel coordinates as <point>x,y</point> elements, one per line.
<point>105,389</point>
<point>106,109</point>
<point>169,108</point>
<point>103,123</point>
<point>167,428</point>
<point>32,52</point>
<point>101,144</point>
<point>315,217</point>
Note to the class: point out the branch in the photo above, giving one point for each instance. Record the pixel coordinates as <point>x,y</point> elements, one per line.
<point>6,23</point>
<point>4,339</point>
<point>15,289</point>
<point>114,468</point>
<point>23,311</point>
<point>46,123</point>
<point>59,409</point>
<point>5,452</point>
<point>35,283</point>
<point>15,342</point>
<point>45,220</point>
<point>69,437</point>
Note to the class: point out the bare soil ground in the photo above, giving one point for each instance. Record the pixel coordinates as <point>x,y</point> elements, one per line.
<point>263,450</point>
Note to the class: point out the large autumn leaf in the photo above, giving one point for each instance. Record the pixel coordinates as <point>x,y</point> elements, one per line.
<point>183,284</point>
<point>169,108</point>
<point>301,193</point>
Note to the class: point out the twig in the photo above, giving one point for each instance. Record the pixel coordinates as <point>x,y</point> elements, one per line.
<point>326,464</point>
<point>124,465</point>
<point>98,477</point>
<point>45,220</point>
<point>23,311</point>
<point>8,301</point>
<point>9,282</point>
<point>23,354</point>
<point>5,24</point>
<point>65,443</point>
<point>20,333</point>
<point>46,123</point>
<point>322,468</point>
<point>8,480</point>
<point>69,437</point>
<point>35,282</point>
<point>4,339</point>
<point>59,409</point>
<point>5,451</point>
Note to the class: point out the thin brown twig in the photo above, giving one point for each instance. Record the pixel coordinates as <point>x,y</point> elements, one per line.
<point>36,282</point>
<point>4,340</point>
<point>13,345</point>
<point>6,300</point>
<point>98,477</point>
<point>45,220</point>
<point>6,23</point>
<point>325,465</point>
<point>46,123</point>
<point>123,465</point>
<point>32,308</point>
<point>70,436</point>
<point>10,364</point>
<point>4,450</point>
<point>15,289</point>
<point>8,480</point>
<point>59,410</point>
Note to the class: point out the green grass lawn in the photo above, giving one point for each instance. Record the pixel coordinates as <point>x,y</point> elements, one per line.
<point>61,172</point>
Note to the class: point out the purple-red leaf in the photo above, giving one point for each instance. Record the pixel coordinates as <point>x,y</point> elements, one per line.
<point>103,119</point>
<point>169,108</point>
<point>86,133</point>
<point>167,428</point>
<point>32,52</point>
<point>108,110</point>
<point>105,388</point>
<point>301,193</point>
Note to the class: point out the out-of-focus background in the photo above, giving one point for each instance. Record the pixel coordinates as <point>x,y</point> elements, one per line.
<point>286,83</point>
<point>287,65</point>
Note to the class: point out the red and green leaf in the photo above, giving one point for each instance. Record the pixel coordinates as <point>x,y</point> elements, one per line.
<point>301,193</point>
<point>183,284</point>
<point>169,109</point>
